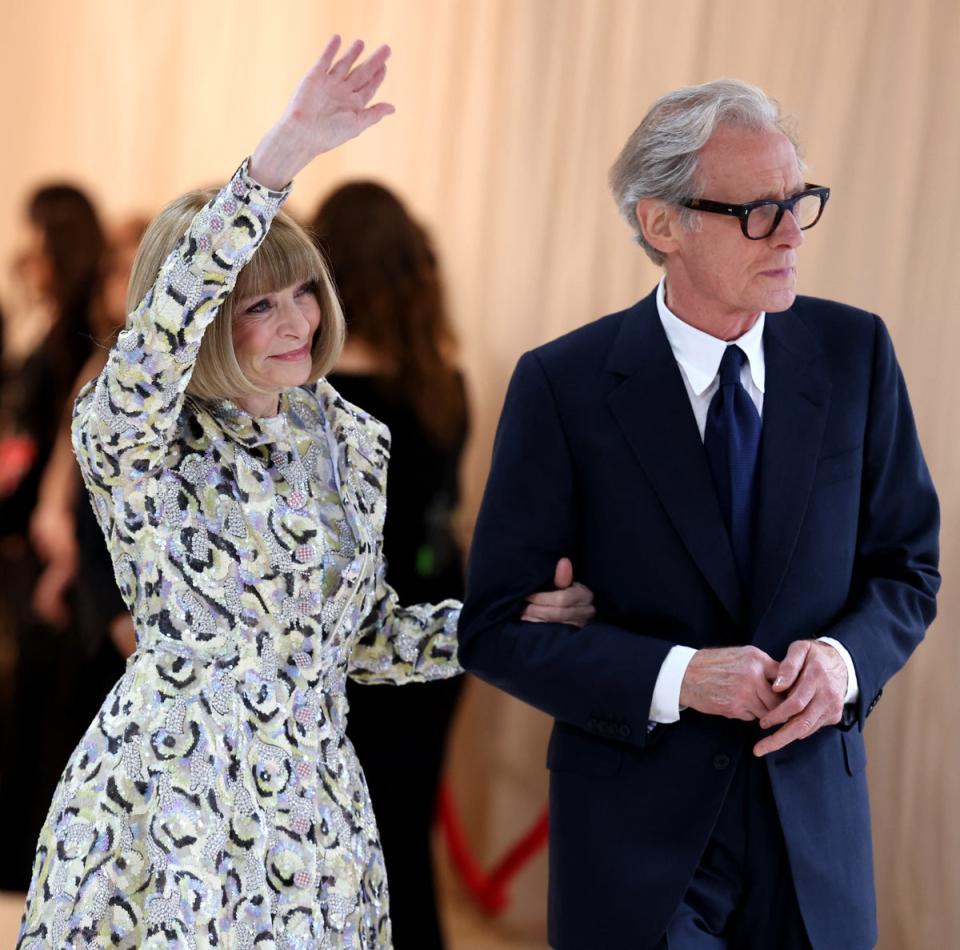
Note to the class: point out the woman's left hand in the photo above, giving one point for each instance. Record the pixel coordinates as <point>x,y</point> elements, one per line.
<point>570,603</point>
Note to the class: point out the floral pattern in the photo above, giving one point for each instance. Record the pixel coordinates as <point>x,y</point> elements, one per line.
<point>216,801</point>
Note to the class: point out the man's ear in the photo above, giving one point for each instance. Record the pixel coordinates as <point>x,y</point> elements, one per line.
<point>659,222</point>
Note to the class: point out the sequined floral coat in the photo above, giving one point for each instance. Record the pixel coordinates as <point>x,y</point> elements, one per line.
<point>216,801</point>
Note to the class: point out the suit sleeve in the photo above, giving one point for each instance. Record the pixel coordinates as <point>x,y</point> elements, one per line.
<point>893,597</point>
<point>599,678</point>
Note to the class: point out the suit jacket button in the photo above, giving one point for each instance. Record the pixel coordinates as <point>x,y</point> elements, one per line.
<point>625,732</point>
<point>721,761</point>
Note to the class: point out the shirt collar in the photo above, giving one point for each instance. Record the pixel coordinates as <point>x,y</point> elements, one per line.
<point>699,354</point>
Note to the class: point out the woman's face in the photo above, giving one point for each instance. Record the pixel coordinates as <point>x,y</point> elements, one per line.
<point>33,265</point>
<point>273,336</point>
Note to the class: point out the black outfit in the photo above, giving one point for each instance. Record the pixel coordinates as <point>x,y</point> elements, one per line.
<point>598,457</point>
<point>60,677</point>
<point>399,734</point>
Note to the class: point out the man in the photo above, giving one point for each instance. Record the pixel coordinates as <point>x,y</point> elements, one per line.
<point>738,473</point>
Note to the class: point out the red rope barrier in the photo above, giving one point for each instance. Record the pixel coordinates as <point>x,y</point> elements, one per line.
<point>488,890</point>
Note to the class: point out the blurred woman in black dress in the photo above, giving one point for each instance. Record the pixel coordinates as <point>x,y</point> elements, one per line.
<point>398,364</point>
<point>51,331</point>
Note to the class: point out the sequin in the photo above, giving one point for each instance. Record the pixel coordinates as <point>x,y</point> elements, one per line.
<point>216,788</point>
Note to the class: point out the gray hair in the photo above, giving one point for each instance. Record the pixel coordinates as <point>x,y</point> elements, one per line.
<point>660,159</point>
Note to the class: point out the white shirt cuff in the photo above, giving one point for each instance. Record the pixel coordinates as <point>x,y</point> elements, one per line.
<point>665,705</point>
<point>853,687</point>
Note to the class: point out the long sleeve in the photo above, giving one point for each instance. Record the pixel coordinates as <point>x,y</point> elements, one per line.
<point>893,597</point>
<point>665,704</point>
<point>124,420</point>
<point>599,678</point>
<point>405,644</point>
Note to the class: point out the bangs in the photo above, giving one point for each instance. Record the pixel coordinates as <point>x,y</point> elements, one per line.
<point>286,256</point>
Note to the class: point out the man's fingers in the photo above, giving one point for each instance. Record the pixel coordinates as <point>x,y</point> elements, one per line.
<point>800,727</point>
<point>791,666</point>
<point>768,698</point>
<point>795,703</point>
<point>563,575</point>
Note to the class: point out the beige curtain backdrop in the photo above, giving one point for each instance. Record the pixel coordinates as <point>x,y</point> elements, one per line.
<point>509,113</point>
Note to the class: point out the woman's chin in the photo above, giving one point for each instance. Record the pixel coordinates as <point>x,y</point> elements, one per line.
<point>288,377</point>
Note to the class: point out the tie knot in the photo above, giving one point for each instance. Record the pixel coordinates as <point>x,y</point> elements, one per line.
<point>731,364</point>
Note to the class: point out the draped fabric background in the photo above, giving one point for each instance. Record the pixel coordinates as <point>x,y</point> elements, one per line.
<point>509,114</point>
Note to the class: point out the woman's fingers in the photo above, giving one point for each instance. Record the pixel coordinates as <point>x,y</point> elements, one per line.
<point>361,77</point>
<point>577,616</point>
<point>327,56</point>
<point>343,65</point>
<point>574,595</point>
<point>370,89</point>
<point>375,113</point>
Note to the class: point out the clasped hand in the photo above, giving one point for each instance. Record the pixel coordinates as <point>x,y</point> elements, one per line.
<point>801,695</point>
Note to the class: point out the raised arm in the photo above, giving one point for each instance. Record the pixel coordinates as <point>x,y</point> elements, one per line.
<point>123,422</point>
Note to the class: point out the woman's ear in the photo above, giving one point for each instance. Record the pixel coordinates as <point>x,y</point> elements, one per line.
<point>659,222</point>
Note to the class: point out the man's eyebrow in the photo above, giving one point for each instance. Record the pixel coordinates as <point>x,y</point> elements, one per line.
<point>769,196</point>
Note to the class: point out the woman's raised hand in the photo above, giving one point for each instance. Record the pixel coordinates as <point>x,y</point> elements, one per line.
<point>330,106</point>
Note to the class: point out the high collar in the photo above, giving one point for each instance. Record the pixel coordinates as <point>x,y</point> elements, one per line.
<point>251,430</point>
<point>699,353</point>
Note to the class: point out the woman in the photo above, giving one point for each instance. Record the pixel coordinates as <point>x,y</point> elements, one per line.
<point>58,279</point>
<point>397,363</point>
<point>215,800</point>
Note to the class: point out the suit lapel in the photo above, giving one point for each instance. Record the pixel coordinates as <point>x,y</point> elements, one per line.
<point>653,410</point>
<point>795,408</point>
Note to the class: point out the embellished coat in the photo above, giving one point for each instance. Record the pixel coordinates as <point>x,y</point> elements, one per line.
<point>216,801</point>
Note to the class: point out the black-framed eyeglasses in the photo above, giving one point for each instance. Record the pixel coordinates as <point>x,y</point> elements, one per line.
<point>759,219</point>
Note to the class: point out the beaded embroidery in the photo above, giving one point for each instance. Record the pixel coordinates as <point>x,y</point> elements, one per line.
<point>215,799</point>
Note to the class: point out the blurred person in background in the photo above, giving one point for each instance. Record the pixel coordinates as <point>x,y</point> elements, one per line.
<point>48,337</point>
<point>63,529</point>
<point>398,362</point>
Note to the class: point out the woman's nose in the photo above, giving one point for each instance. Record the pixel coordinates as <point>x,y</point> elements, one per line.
<point>293,320</point>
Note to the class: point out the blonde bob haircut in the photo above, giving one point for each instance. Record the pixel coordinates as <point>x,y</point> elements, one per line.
<point>286,256</point>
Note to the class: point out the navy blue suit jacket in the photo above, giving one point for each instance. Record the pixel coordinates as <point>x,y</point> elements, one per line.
<point>598,457</point>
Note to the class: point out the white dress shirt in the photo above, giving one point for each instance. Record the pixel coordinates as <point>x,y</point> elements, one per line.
<point>698,355</point>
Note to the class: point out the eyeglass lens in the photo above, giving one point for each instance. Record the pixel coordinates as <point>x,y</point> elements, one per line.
<point>760,220</point>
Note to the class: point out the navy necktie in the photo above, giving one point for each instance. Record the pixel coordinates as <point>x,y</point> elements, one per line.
<point>732,441</point>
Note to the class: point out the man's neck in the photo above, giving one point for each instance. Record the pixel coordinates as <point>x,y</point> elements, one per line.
<point>724,326</point>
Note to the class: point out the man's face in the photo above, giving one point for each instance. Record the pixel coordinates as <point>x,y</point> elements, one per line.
<point>716,271</point>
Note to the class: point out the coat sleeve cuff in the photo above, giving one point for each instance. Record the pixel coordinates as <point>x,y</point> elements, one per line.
<point>665,705</point>
<point>853,687</point>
